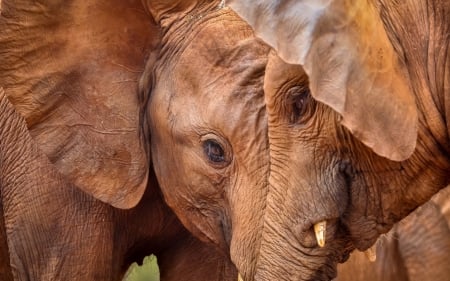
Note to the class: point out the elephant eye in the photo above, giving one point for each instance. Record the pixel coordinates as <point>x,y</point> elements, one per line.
<point>301,101</point>
<point>213,151</point>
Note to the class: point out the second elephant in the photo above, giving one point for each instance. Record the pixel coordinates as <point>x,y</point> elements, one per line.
<point>358,100</point>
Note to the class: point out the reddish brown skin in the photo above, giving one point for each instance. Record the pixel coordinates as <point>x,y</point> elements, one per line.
<point>165,77</point>
<point>84,201</point>
<point>415,249</point>
<point>323,164</point>
<point>88,239</point>
<point>221,203</point>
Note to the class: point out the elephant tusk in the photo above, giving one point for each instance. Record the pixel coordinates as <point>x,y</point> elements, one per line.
<point>371,253</point>
<point>240,277</point>
<point>320,229</point>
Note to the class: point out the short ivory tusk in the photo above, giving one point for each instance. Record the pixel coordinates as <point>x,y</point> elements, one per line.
<point>240,277</point>
<point>320,229</point>
<point>371,253</point>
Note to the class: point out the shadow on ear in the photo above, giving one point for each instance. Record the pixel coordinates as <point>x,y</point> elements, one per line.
<point>351,64</point>
<point>71,68</point>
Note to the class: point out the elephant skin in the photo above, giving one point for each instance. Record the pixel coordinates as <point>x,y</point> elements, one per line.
<point>357,98</point>
<point>55,231</point>
<point>415,249</point>
<point>147,130</point>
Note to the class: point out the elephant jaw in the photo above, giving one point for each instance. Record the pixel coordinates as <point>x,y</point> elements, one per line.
<point>287,257</point>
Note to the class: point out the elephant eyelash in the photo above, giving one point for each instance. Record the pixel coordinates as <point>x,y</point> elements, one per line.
<point>216,151</point>
<point>301,104</point>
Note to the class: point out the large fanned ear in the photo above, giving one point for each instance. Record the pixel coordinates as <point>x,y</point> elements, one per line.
<point>71,68</point>
<point>351,64</point>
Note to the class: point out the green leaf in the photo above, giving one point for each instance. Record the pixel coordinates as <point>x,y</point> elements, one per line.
<point>149,270</point>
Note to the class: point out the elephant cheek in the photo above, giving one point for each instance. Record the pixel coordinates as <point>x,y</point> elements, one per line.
<point>243,250</point>
<point>247,216</point>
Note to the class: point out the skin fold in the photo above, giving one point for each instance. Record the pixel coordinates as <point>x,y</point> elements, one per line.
<point>358,135</point>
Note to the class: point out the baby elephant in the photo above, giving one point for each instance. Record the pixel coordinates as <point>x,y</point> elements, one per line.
<point>146,134</point>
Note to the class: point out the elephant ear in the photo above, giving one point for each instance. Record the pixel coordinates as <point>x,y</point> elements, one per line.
<point>351,64</point>
<point>71,68</point>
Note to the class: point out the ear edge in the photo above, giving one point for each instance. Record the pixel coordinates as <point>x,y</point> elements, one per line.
<point>131,199</point>
<point>395,150</point>
<point>124,68</point>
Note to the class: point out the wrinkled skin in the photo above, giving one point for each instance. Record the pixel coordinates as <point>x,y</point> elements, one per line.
<point>362,125</point>
<point>214,138</point>
<point>115,95</point>
<point>183,95</point>
<point>98,242</point>
<point>416,248</point>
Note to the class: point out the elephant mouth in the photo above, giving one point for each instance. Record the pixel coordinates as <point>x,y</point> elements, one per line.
<point>329,244</point>
<point>334,244</point>
<point>364,232</point>
<point>298,256</point>
<point>360,220</point>
<point>325,273</point>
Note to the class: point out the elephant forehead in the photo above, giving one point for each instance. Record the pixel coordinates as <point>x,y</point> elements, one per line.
<point>215,82</point>
<point>223,45</point>
<point>220,96</point>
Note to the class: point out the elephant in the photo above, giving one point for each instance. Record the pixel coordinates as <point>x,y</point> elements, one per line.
<point>357,97</point>
<point>55,231</point>
<point>144,131</point>
<point>415,249</point>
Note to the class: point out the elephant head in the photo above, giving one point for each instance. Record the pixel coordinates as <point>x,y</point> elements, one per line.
<point>208,123</point>
<point>356,122</point>
<point>84,86</point>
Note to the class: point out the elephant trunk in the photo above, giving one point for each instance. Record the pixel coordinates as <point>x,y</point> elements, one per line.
<point>248,222</point>
<point>285,243</point>
<point>299,241</point>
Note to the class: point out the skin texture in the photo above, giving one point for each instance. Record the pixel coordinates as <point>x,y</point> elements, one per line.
<point>221,202</point>
<point>183,94</point>
<point>56,59</point>
<point>415,249</point>
<point>365,135</point>
<point>117,97</point>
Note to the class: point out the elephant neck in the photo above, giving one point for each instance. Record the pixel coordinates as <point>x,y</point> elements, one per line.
<point>434,109</point>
